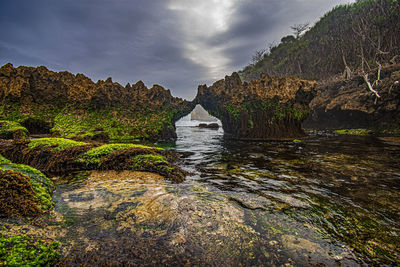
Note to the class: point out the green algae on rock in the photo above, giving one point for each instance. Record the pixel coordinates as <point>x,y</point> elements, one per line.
<point>12,129</point>
<point>94,155</point>
<point>21,250</point>
<point>57,144</point>
<point>76,107</point>
<point>60,156</point>
<point>354,131</point>
<point>41,185</point>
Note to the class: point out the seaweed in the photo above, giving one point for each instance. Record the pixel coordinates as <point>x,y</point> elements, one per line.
<point>21,250</point>
<point>17,197</point>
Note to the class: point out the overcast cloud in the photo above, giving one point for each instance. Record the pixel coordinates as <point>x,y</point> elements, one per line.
<point>178,44</point>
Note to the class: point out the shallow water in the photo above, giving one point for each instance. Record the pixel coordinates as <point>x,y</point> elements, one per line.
<point>326,200</point>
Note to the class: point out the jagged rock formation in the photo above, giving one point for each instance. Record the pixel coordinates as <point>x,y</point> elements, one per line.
<point>268,108</point>
<point>200,114</point>
<point>348,104</point>
<point>74,106</point>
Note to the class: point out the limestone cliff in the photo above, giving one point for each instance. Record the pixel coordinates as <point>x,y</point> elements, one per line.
<point>348,104</point>
<point>267,108</point>
<point>74,106</point>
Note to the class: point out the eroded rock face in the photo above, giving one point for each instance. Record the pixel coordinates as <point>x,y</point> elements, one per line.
<point>348,104</point>
<point>33,88</point>
<point>268,108</point>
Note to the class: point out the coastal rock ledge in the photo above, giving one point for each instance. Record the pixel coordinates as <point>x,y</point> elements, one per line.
<point>264,109</point>
<point>74,107</point>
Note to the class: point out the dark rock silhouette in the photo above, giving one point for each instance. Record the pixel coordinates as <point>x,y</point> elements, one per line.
<point>210,126</point>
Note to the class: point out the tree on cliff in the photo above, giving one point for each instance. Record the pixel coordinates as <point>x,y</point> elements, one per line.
<point>298,29</point>
<point>349,40</point>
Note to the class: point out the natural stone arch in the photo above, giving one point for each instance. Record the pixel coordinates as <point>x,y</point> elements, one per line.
<point>268,108</point>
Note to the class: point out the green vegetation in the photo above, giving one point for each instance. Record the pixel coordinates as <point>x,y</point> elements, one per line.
<point>158,164</point>
<point>365,233</point>
<point>156,159</point>
<point>85,122</point>
<point>116,123</point>
<point>23,251</point>
<point>296,141</point>
<point>348,35</point>
<point>57,144</point>
<point>41,185</point>
<point>94,155</point>
<point>354,131</point>
<point>233,110</point>
<point>9,128</point>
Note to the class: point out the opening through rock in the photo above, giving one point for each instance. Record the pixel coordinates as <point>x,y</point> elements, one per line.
<point>199,117</point>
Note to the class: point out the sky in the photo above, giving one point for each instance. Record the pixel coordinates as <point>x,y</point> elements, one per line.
<point>178,44</point>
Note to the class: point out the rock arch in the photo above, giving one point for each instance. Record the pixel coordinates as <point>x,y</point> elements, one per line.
<point>267,108</point>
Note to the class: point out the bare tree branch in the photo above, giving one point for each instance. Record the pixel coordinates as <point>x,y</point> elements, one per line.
<point>298,29</point>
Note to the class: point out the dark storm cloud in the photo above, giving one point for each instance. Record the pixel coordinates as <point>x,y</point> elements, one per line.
<point>133,40</point>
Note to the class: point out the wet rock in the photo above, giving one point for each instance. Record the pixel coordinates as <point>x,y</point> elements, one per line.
<point>348,104</point>
<point>17,197</point>
<point>209,126</point>
<point>268,108</point>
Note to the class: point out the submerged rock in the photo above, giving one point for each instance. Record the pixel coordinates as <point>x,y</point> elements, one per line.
<point>210,126</point>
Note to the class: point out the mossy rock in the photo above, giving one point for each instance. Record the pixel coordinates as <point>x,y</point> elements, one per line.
<point>41,185</point>
<point>12,129</point>
<point>354,132</point>
<point>57,144</point>
<point>23,251</point>
<point>94,155</point>
<point>158,164</point>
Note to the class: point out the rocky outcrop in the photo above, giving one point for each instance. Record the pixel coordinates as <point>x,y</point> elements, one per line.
<point>348,104</point>
<point>267,108</point>
<point>41,96</point>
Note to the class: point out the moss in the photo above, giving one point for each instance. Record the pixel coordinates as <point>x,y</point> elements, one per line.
<point>158,164</point>
<point>94,155</point>
<point>233,110</point>
<point>9,128</point>
<point>83,122</point>
<point>156,159</point>
<point>57,144</point>
<point>251,123</point>
<point>116,123</point>
<point>354,131</point>
<point>3,160</point>
<point>41,185</point>
<point>296,141</point>
<point>23,251</point>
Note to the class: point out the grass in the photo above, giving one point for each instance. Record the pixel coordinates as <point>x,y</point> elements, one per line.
<point>57,144</point>
<point>94,155</point>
